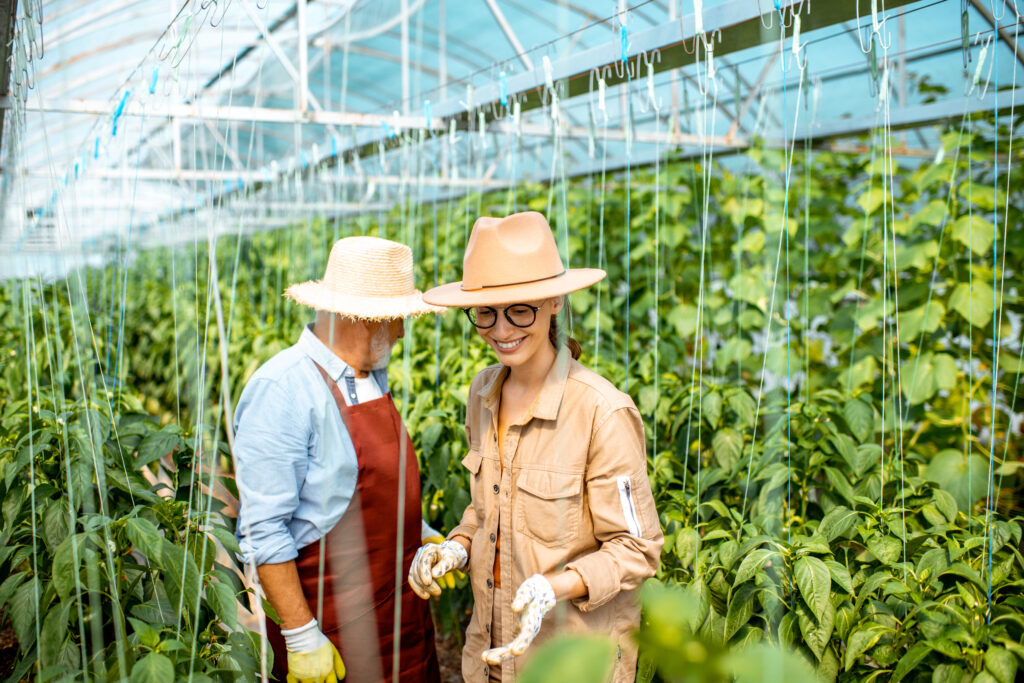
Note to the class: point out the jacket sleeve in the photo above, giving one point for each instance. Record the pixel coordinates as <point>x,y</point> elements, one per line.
<point>271,456</point>
<point>622,510</point>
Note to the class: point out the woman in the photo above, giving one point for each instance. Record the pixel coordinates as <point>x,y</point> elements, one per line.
<point>561,509</point>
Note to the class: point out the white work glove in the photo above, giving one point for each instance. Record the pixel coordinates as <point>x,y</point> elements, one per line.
<point>432,562</point>
<point>429,534</point>
<point>533,600</point>
<point>312,658</point>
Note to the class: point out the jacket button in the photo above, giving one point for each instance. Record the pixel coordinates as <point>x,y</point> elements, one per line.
<point>492,538</point>
<point>487,627</point>
<point>495,488</point>
<point>490,584</point>
<point>495,437</point>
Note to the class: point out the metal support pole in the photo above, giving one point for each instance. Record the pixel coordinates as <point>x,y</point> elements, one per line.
<point>303,55</point>
<point>405,56</point>
<point>1004,35</point>
<point>506,28</point>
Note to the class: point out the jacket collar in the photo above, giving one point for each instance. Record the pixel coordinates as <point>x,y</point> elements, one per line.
<point>335,367</point>
<point>549,399</point>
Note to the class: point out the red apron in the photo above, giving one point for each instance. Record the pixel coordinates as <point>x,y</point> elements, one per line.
<point>357,562</point>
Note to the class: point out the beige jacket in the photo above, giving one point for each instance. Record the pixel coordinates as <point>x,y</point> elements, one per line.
<point>574,493</point>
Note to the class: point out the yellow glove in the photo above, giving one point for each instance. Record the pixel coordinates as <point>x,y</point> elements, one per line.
<point>312,658</point>
<point>448,580</point>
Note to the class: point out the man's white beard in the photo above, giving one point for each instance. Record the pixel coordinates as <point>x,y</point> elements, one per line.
<point>380,349</point>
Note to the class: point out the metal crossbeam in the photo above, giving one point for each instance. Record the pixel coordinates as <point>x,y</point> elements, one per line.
<point>217,112</point>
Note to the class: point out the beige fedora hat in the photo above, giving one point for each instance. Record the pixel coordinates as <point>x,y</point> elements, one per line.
<point>367,278</point>
<point>511,260</point>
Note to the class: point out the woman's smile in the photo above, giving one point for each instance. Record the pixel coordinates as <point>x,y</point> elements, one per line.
<point>509,346</point>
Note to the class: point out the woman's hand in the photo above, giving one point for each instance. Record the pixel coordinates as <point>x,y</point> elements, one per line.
<point>533,600</point>
<point>432,562</point>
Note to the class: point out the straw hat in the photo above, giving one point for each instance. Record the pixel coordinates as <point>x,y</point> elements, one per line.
<point>511,260</point>
<point>367,278</point>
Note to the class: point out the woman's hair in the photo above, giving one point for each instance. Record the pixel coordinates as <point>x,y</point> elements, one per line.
<point>575,350</point>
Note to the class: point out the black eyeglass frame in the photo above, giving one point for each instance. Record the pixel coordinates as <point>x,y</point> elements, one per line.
<point>505,312</point>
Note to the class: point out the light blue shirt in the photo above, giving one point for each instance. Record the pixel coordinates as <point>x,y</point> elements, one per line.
<point>295,464</point>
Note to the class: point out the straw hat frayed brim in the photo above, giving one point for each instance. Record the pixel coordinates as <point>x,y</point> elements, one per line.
<point>452,295</point>
<point>318,296</point>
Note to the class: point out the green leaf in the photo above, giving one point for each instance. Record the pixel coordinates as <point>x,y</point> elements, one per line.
<point>23,613</point>
<point>949,673</point>
<point>864,371</point>
<point>148,636</point>
<point>147,538</point>
<point>741,607</point>
<point>918,378</point>
<point>837,522</point>
<point>711,408</point>
<point>227,539</point>
<point>925,318</point>
<point>965,478</point>
<point>974,232</point>
<point>158,444</point>
<point>840,483</point>
<point>945,371</point>
<point>222,600</point>
<point>571,658</point>
<point>945,503</point>
<point>1001,664</point>
<point>10,584</point>
<point>973,301</point>
<point>860,642</point>
<point>65,570</point>
<point>817,629</point>
<point>153,668</point>
<point>55,524</point>
<point>53,633</point>
<point>886,548</point>
<point>727,445</point>
<point>684,319</point>
<point>909,661</point>
<point>751,564</point>
<point>840,575</point>
<point>815,583</point>
<point>181,577</point>
<point>743,405</point>
<point>860,417</point>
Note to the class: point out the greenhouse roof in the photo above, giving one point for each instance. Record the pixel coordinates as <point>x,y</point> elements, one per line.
<point>157,121</point>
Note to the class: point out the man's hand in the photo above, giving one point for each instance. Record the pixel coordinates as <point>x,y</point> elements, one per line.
<point>312,658</point>
<point>448,580</point>
<point>431,563</point>
<point>533,600</point>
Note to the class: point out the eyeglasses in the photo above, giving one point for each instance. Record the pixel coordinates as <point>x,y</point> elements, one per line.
<point>484,317</point>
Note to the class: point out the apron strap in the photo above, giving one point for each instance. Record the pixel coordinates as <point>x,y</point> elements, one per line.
<point>335,392</point>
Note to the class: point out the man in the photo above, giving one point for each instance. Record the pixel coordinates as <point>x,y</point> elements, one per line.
<point>320,454</point>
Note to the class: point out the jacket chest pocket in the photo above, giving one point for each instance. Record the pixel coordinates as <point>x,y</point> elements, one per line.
<point>473,462</point>
<point>550,505</point>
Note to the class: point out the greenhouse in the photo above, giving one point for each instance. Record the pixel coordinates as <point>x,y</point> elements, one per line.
<point>733,393</point>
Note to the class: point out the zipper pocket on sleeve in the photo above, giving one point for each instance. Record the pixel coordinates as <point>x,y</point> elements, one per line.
<point>628,506</point>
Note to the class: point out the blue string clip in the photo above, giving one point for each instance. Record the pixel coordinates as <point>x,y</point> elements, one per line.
<point>76,170</point>
<point>96,149</point>
<point>152,79</point>
<point>120,110</point>
<point>239,184</point>
<point>504,89</point>
<point>334,146</point>
<point>302,158</point>
<point>387,129</point>
<point>624,39</point>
